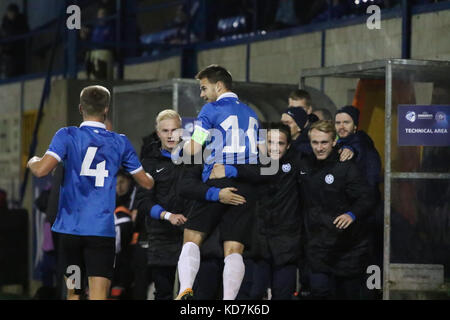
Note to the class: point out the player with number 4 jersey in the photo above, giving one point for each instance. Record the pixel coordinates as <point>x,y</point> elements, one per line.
<point>92,157</point>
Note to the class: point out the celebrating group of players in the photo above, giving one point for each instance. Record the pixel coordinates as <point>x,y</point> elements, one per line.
<point>311,212</point>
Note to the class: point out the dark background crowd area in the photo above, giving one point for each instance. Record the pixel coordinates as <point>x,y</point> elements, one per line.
<point>150,28</point>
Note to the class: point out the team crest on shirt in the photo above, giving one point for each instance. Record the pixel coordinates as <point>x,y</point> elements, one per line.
<point>286,167</point>
<point>329,179</point>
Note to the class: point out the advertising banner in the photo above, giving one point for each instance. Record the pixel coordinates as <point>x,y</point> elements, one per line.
<point>423,125</point>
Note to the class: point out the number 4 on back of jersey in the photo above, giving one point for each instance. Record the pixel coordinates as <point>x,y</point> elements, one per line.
<point>99,172</point>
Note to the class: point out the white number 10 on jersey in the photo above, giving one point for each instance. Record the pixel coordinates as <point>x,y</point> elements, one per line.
<point>99,172</point>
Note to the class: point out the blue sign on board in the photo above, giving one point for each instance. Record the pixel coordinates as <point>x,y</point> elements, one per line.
<point>423,125</point>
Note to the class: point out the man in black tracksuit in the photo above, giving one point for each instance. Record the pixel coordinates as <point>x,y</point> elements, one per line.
<point>335,204</point>
<point>163,205</point>
<point>276,246</point>
<point>368,161</point>
<point>271,259</point>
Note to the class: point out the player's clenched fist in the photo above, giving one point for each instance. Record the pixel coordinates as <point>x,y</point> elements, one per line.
<point>33,160</point>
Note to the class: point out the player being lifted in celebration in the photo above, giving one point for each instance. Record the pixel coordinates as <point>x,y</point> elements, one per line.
<point>92,157</point>
<point>229,129</point>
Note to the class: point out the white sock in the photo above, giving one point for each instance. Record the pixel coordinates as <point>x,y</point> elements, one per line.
<point>233,273</point>
<point>188,265</point>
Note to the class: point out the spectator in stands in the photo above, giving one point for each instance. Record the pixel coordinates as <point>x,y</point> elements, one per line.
<point>323,114</point>
<point>286,16</point>
<point>335,10</point>
<point>100,60</point>
<point>109,5</point>
<point>13,54</point>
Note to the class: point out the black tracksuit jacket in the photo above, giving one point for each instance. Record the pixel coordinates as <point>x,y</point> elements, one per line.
<point>164,239</point>
<point>330,188</point>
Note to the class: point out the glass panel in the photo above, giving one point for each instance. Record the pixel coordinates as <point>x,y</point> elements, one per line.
<point>420,222</point>
<point>419,86</point>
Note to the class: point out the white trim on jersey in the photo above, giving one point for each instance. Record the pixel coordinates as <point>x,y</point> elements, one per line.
<point>96,124</point>
<point>136,171</point>
<point>227,95</point>
<point>54,155</point>
<point>121,220</point>
<point>133,195</point>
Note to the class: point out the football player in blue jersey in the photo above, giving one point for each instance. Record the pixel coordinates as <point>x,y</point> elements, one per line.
<point>91,156</point>
<point>228,128</point>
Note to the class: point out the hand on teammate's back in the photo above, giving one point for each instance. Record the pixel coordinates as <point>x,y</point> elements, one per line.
<point>177,219</point>
<point>343,221</point>
<point>227,196</point>
<point>345,154</point>
<point>217,172</point>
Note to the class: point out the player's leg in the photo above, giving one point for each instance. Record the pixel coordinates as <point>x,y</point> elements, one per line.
<point>99,255</point>
<point>72,294</point>
<point>202,220</point>
<point>233,270</point>
<point>235,225</point>
<point>99,288</point>
<point>189,261</point>
<point>72,264</point>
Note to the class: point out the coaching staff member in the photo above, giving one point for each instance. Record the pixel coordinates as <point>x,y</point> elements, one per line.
<point>163,204</point>
<point>336,202</point>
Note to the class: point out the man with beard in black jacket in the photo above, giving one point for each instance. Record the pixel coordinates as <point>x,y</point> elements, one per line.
<point>336,204</point>
<point>163,205</point>
<point>368,161</point>
<point>367,157</point>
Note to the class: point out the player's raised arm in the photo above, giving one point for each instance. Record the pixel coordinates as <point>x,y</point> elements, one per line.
<point>40,167</point>
<point>144,179</point>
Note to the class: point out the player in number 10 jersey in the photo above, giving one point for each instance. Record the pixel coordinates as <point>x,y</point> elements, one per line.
<point>236,126</point>
<point>92,157</point>
<point>229,129</point>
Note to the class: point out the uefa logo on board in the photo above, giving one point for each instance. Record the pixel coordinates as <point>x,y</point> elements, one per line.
<point>440,116</point>
<point>411,116</point>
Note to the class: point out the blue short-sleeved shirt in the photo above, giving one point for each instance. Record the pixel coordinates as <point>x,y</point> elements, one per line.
<point>92,157</point>
<point>236,132</point>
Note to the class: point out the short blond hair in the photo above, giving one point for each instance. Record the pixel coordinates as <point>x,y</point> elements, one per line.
<point>326,126</point>
<point>165,115</point>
